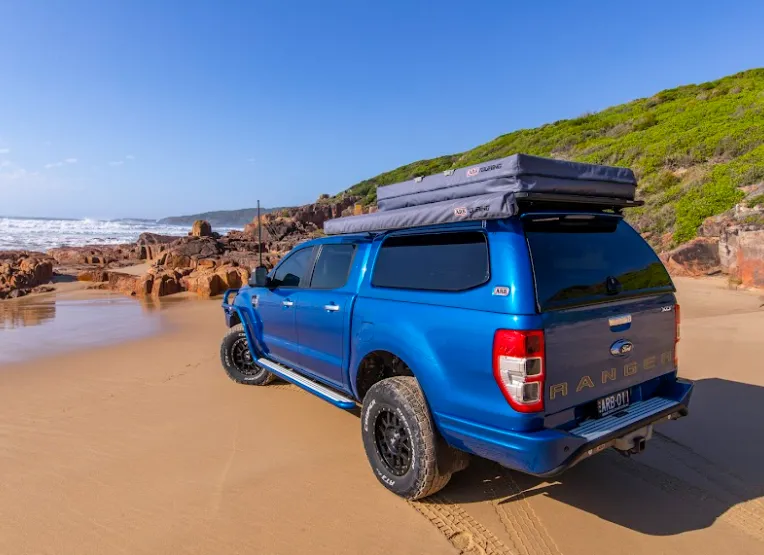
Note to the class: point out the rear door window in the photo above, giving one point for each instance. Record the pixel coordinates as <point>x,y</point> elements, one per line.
<point>435,262</point>
<point>332,267</point>
<point>579,260</point>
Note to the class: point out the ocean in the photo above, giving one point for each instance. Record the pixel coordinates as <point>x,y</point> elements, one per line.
<point>41,234</point>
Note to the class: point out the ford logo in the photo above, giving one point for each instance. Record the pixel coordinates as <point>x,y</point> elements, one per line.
<point>621,348</point>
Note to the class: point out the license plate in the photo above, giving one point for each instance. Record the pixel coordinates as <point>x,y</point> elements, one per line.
<point>613,403</point>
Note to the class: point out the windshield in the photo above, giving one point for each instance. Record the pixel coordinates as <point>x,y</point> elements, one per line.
<point>580,260</point>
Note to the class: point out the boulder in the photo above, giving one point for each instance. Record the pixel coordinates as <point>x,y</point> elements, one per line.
<point>204,284</point>
<point>750,257</point>
<point>694,258</point>
<point>214,281</point>
<point>127,284</point>
<point>201,228</point>
<point>185,252</point>
<point>150,246</point>
<point>166,283</point>
<point>23,271</point>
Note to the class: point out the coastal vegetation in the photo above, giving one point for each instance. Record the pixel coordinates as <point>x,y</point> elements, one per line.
<point>694,149</point>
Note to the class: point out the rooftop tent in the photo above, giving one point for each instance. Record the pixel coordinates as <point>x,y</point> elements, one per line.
<point>486,191</point>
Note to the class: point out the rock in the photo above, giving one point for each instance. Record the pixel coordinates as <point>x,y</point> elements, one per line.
<point>695,258</point>
<point>185,252</point>
<point>102,255</point>
<point>750,257</point>
<point>22,271</point>
<point>166,283</point>
<point>210,282</point>
<point>150,246</point>
<point>43,289</point>
<point>127,284</point>
<point>205,284</point>
<point>201,228</point>
<point>95,275</point>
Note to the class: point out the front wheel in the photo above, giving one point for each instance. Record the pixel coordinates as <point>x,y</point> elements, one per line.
<point>403,447</point>
<point>237,359</point>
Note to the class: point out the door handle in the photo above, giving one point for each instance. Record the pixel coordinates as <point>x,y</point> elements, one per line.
<point>331,307</point>
<point>288,303</point>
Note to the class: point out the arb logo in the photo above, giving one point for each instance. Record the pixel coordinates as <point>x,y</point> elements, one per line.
<point>472,172</point>
<point>461,211</point>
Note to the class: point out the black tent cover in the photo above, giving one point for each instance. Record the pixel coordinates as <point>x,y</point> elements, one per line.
<point>484,192</point>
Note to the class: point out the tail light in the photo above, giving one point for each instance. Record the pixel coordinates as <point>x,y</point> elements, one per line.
<point>677,321</point>
<point>518,367</point>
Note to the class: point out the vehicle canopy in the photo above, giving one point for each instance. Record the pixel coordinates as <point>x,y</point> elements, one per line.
<point>491,191</point>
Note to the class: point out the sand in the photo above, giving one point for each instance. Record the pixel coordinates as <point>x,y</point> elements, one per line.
<point>146,447</point>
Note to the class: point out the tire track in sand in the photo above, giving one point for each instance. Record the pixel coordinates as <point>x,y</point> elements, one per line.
<point>526,530</point>
<point>465,533</point>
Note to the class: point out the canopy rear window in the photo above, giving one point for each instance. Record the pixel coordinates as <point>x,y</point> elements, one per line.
<point>581,259</point>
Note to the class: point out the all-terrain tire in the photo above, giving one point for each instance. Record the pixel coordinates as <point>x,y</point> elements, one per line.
<point>237,361</point>
<point>399,400</point>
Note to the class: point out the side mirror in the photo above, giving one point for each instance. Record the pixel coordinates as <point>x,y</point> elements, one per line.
<point>260,277</point>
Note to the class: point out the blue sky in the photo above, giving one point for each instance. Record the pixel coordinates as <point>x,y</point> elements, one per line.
<point>153,108</point>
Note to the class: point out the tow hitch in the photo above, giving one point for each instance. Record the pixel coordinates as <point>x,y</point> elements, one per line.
<point>635,442</point>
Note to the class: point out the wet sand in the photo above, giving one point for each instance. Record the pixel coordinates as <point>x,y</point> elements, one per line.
<point>146,447</point>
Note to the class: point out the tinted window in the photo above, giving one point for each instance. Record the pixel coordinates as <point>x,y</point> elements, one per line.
<point>438,262</point>
<point>291,272</point>
<point>332,267</point>
<point>581,261</point>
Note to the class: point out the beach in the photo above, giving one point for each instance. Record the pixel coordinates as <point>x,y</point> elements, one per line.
<point>142,445</point>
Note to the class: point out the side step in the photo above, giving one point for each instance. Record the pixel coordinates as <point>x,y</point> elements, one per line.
<point>326,393</point>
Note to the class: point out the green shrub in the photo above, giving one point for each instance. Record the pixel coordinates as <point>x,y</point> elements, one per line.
<point>755,201</point>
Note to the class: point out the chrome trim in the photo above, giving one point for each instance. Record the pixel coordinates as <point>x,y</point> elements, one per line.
<point>331,307</point>
<point>288,303</point>
<point>596,428</point>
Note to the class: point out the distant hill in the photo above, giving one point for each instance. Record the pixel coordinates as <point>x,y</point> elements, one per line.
<point>219,218</point>
<point>693,147</point>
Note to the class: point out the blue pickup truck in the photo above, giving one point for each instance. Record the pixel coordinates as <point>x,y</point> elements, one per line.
<point>509,313</point>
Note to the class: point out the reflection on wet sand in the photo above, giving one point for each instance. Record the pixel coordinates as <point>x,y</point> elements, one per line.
<point>19,315</point>
<point>41,326</point>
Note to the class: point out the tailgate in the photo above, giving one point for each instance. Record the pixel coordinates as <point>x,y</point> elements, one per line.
<point>594,351</point>
<point>607,305</point>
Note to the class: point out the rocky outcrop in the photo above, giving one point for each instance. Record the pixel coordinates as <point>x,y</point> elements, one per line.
<point>201,228</point>
<point>107,254</point>
<point>283,229</point>
<point>150,246</point>
<point>739,235</point>
<point>208,282</point>
<point>21,272</point>
<point>696,258</point>
<point>746,254</point>
<point>203,262</point>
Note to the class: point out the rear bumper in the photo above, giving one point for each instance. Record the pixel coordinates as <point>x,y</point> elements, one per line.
<point>551,451</point>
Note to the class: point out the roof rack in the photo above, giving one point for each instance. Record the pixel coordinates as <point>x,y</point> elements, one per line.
<point>559,200</point>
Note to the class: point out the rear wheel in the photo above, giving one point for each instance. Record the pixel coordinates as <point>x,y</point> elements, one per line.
<point>405,451</point>
<point>237,359</point>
